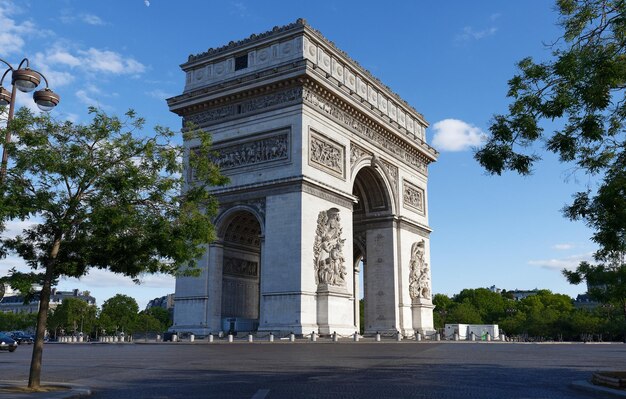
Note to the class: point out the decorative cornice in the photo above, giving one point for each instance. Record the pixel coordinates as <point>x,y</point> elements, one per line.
<point>254,38</point>
<point>175,103</point>
<point>366,127</point>
<point>300,27</point>
<point>417,154</point>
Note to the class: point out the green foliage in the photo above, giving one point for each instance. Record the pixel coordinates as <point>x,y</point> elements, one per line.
<point>105,196</point>
<point>109,198</point>
<point>581,88</point>
<point>465,313</point>
<point>543,315</point>
<point>161,315</point>
<point>146,323</point>
<point>73,315</point>
<point>17,321</point>
<point>442,303</point>
<point>490,305</point>
<point>119,314</point>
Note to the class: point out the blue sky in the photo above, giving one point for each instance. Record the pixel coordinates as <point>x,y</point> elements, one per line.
<point>450,60</point>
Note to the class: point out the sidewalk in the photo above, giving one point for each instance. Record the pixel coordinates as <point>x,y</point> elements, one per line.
<point>14,390</point>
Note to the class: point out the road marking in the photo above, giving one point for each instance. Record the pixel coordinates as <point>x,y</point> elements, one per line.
<point>260,394</point>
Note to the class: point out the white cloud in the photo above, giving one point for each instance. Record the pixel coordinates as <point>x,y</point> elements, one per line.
<point>91,96</point>
<point>26,100</point>
<point>146,2</point>
<point>110,62</point>
<point>104,278</point>
<point>11,33</point>
<point>70,117</point>
<point>456,135</point>
<point>15,226</point>
<point>85,97</point>
<point>61,56</point>
<point>91,19</point>
<point>470,33</point>
<point>10,43</point>
<point>562,247</point>
<point>570,262</point>
<point>241,8</point>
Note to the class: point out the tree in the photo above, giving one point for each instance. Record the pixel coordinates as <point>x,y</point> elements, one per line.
<point>103,196</point>
<point>581,89</point>
<point>145,322</point>
<point>119,313</point>
<point>443,304</point>
<point>74,315</point>
<point>17,321</point>
<point>464,313</point>
<point>490,305</point>
<point>162,315</point>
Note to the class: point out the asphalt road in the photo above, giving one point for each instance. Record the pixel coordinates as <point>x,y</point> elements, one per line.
<point>321,370</point>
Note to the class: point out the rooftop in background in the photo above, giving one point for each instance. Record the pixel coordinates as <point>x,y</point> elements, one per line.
<point>14,303</point>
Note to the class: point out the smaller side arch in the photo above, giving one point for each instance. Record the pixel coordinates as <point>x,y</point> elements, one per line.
<point>225,217</point>
<point>375,164</point>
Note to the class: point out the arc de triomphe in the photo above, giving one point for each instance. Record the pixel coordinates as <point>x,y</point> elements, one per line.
<point>327,200</point>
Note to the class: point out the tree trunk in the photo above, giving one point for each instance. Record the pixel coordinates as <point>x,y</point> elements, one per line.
<point>34,378</point>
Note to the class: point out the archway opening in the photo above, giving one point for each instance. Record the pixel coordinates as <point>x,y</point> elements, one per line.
<point>241,275</point>
<point>370,212</point>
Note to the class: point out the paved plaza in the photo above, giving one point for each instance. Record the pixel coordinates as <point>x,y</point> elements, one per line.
<point>321,369</point>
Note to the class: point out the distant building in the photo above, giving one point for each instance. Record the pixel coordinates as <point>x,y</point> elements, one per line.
<point>495,289</point>
<point>518,295</point>
<point>14,303</point>
<point>584,301</point>
<point>166,302</point>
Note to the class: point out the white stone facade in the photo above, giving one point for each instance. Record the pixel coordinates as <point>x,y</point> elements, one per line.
<point>327,167</point>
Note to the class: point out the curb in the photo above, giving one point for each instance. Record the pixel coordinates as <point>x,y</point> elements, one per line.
<point>597,390</point>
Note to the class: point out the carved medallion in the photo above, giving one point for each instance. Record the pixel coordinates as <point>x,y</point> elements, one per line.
<point>328,259</point>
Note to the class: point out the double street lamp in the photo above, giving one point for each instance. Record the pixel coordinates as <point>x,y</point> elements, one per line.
<point>25,80</point>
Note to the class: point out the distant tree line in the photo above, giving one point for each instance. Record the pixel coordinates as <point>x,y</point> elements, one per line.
<point>17,321</point>
<point>544,315</point>
<point>73,316</point>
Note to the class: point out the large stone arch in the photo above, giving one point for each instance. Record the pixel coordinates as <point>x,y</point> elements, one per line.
<point>373,222</point>
<point>304,133</point>
<point>240,232</point>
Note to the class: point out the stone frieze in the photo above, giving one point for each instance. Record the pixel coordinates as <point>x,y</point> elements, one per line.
<point>413,197</point>
<point>326,155</point>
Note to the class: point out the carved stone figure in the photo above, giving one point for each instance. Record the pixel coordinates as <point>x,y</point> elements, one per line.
<point>419,277</point>
<point>326,155</point>
<point>253,152</point>
<point>413,197</point>
<point>328,249</point>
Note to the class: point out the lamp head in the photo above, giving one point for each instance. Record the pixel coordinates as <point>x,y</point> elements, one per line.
<point>46,99</point>
<point>25,79</point>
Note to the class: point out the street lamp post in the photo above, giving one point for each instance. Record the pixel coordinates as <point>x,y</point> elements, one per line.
<point>26,80</point>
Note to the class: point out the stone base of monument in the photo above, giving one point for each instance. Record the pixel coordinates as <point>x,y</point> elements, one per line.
<point>334,308</point>
<point>422,311</point>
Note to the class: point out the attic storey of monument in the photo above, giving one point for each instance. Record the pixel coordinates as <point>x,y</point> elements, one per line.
<point>328,171</point>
